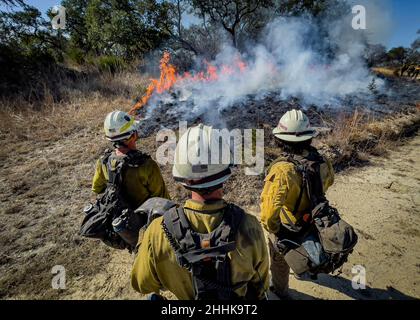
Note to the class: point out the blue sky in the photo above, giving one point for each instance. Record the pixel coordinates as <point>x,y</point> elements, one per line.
<point>404,14</point>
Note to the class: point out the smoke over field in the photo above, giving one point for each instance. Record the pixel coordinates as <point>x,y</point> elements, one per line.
<point>296,58</point>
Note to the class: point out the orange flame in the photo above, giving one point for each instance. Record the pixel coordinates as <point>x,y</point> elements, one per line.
<point>168,77</point>
<point>165,82</point>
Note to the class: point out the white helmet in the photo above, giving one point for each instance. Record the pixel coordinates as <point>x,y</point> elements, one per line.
<point>119,125</point>
<point>294,126</point>
<point>202,158</point>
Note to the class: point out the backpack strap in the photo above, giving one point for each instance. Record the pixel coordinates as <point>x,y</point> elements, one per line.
<point>174,232</point>
<point>188,242</point>
<point>203,261</point>
<point>115,173</point>
<point>105,156</point>
<point>301,169</point>
<point>136,158</point>
<point>309,168</point>
<point>228,236</point>
<point>133,158</point>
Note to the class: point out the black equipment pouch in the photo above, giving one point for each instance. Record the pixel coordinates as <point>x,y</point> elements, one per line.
<point>324,245</point>
<point>149,211</point>
<point>111,219</point>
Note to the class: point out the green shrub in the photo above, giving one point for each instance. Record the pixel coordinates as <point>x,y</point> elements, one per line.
<point>76,55</point>
<point>110,64</point>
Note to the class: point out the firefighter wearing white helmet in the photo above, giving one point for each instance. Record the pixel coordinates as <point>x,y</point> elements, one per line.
<point>119,126</point>
<point>285,206</point>
<point>224,254</point>
<point>142,178</point>
<point>193,167</point>
<point>294,126</point>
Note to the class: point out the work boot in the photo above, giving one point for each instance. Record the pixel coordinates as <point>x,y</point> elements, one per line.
<point>155,297</point>
<point>281,295</point>
<point>306,276</point>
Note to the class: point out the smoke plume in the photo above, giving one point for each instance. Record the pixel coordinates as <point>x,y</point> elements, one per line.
<point>296,57</point>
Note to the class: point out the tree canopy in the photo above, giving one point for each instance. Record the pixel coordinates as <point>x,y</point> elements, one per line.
<point>109,34</point>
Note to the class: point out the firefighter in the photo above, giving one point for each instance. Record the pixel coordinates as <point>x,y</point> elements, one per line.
<point>404,68</point>
<point>284,208</point>
<point>207,248</point>
<point>410,70</point>
<point>142,179</point>
<point>415,72</point>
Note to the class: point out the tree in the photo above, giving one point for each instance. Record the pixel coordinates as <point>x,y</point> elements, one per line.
<point>28,51</point>
<point>375,55</point>
<point>28,33</point>
<point>398,55</point>
<point>414,51</point>
<point>300,7</point>
<point>76,24</point>
<point>230,14</point>
<point>191,34</point>
<point>416,43</point>
<point>176,28</point>
<point>13,3</point>
<point>125,28</point>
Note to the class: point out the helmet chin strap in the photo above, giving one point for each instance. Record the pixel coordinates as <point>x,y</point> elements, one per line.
<point>205,191</point>
<point>119,144</point>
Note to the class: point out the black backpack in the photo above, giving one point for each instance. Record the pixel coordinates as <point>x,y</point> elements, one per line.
<point>205,256</point>
<point>323,244</point>
<point>111,218</point>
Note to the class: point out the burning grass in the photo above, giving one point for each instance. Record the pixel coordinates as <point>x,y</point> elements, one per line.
<point>169,77</point>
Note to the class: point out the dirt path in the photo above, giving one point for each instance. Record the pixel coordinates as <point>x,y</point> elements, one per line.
<point>382,201</point>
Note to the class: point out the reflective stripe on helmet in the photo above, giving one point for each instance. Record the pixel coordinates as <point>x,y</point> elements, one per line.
<point>214,177</point>
<point>123,136</point>
<point>127,125</point>
<point>298,134</point>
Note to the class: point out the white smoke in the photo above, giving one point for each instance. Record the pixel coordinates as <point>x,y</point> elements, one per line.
<point>288,61</point>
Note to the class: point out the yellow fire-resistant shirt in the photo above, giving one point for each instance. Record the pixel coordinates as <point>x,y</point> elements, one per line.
<point>281,191</point>
<point>156,268</point>
<point>139,183</point>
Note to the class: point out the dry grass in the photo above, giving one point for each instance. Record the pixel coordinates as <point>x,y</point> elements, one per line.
<point>81,110</point>
<point>357,136</point>
<point>47,161</point>
<point>387,72</point>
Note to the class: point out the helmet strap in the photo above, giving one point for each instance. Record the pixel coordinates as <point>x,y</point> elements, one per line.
<point>124,143</point>
<point>294,147</point>
<point>119,144</point>
<point>205,191</point>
